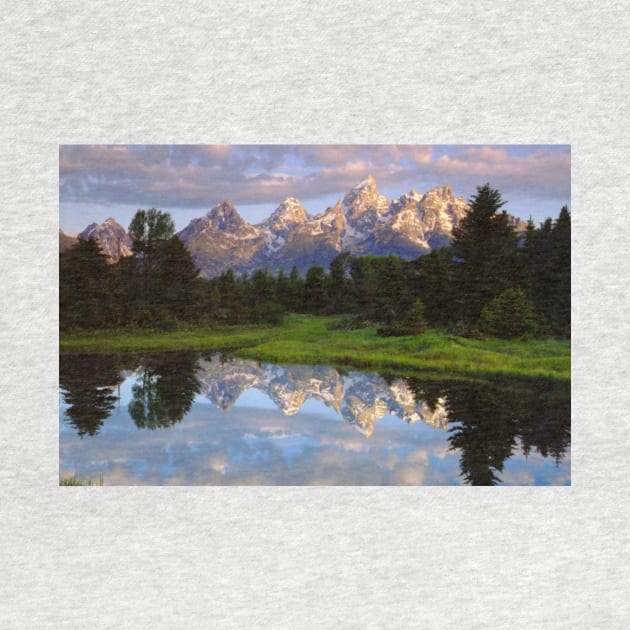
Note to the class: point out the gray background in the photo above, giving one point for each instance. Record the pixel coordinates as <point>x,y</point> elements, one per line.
<point>300,72</point>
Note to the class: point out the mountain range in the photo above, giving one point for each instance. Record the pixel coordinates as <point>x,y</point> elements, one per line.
<point>363,222</point>
<point>111,236</point>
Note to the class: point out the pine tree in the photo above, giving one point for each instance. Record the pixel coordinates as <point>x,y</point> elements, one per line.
<point>339,284</point>
<point>296,291</point>
<point>150,230</point>
<point>315,289</point>
<point>561,237</point>
<point>485,250</point>
<point>175,275</point>
<point>85,287</point>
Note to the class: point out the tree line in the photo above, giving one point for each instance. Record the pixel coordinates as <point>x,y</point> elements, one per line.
<point>490,280</point>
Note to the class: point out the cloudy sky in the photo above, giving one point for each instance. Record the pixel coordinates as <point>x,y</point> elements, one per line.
<point>99,181</point>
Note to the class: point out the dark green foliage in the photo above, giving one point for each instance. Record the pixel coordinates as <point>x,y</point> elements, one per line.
<point>488,419</point>
<point>88,384</point>
<point>432,280</point>
<point>348,322</point>
<point>295,291</point>
<point>268,313</point>
<point>412,323</point>
<point>165,390</point>
<point>340,293</point>
<point>315,296</point>
<point>415,320</point>
<point>159,287</point>
<point>485,248</point>
<point>546,256</point>
<point>382,288</point>
<point>175,275</point>
<point>164,266</point>
<point>509,315</point>
<point>86,286</point>
<point>149,229</point>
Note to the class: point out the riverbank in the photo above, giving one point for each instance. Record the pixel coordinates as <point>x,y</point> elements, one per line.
<point>304,339</point>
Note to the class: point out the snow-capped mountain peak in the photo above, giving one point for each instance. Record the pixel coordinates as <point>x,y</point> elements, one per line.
<point>363,198</point>
<point>368,182</point>
<point>289,213</point>
<point>361,222</point>
<point>225,217</point>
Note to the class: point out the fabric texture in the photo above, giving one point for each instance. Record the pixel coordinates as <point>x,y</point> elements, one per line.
<point>303,72</point>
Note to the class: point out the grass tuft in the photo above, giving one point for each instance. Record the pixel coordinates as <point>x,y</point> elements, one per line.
<point>76,481</point>
<point>305,339</point>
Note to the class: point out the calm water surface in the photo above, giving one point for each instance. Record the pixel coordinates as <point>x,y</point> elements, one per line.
<point>188,418</point>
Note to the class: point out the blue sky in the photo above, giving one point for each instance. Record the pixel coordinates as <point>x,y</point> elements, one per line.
<point>101,181</point>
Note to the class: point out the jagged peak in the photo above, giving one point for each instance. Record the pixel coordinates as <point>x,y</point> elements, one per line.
<point>330,212</point>
<point>224,216</point>
<point>365,188</point>
<point>445,192</point>
<point>98,227</point>
<point>363,197</point>
<point>291,201</point>
<point>412,196</point>
<point>288,214</point>
<point>292,207</point>
<point>368,182</point>
<point>225,207</point>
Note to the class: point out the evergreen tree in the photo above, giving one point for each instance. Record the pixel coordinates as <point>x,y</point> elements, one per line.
<point>510,314</point>
<point>315,289</point>
<point>229,306</point>
<point>561,236</point>
<point>296,291</point>
<point>485,248</point>
<point>366,288</point>
<point>263,286</point>
<point>85,287</point>
<point>175,274</point>
<point>150,231</point>
<point>339,284</point>
<point>282,290</point>
<point>393,297</point>
<point>546,256</point>
<point>431,277</point>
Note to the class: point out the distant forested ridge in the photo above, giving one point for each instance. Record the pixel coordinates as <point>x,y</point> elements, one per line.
<point>490,280</point>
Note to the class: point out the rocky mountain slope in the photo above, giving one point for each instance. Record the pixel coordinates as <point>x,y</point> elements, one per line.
<point>363,222</point>
<point>66,240</point>
<point>111,236</point>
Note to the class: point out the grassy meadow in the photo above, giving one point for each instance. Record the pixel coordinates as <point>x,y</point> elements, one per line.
<point>306,339</point>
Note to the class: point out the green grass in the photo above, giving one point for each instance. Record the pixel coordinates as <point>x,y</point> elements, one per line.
<point>76,481</point>
<point>306,339</point>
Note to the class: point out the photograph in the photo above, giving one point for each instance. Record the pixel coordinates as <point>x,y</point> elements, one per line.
<point>314,315</point>
<point>297,315</point>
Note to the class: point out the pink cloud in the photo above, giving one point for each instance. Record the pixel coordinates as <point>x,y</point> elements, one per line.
<point>202,175</point>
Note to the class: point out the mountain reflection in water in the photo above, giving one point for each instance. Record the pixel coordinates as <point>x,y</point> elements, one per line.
<point>480,429</point>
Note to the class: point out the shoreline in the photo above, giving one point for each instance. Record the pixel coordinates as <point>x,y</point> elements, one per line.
<point>305,339</point>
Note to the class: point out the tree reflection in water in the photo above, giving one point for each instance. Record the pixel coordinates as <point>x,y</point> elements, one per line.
<point>88,383</point>
<point>488,421</point>
<point>165,390</point>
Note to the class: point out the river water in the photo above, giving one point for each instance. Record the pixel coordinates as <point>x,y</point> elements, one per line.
<point>188,418</point>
